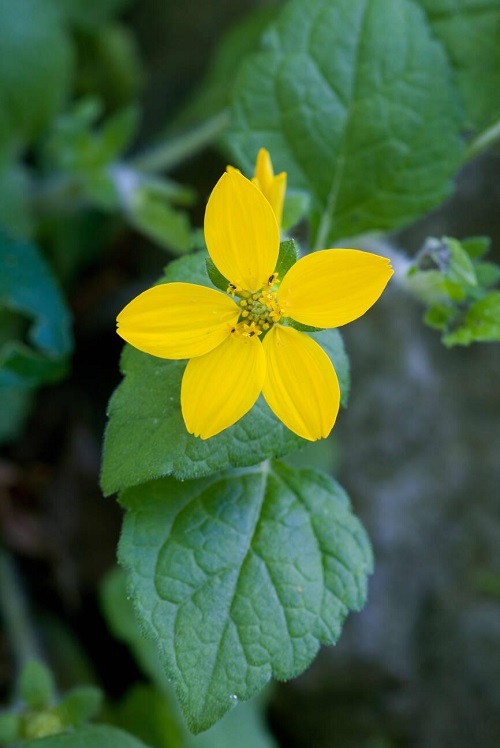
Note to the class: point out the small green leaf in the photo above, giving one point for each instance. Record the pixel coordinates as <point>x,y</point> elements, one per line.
<point>461,269</point>
<point>487,274</point>
<point>288,256</point>
<point>481,324</point>
<point>36,685</point>
<point>365,121</point>
<point>215,276</point>
<point>240,577</point>
<point>152,716</point>
<point>80,705</point>
<point>476,246</point>
<point>89,736</point>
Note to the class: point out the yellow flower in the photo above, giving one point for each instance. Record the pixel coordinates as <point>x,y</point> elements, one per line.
<point>239,344</point>
<point>272,187</point>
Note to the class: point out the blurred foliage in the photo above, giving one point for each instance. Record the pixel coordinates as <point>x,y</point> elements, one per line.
<point>457,286</point>
<point>371,128</point>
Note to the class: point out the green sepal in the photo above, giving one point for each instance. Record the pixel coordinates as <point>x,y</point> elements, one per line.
<point>215,276</point>
<point>240,576</point>
<point>288,256</point>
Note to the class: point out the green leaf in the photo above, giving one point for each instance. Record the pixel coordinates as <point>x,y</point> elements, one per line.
<point>240,577</point>
<point>36,685</point>
<point>146,437</point>
<point>28,287</point>
<point>295,208</point>
<point>80,705</point>
<point>89,736</point>
<point>151,716</point>
<point>461,269</point>
<point>365,120</point>
<point>476,246</point>
<point>10,727</point>
<point>36,69</point>
<point>149,212</point>
<point>470,30</point>
<point>481,324</point>
<point>215,276</point>
<point>287,257</point>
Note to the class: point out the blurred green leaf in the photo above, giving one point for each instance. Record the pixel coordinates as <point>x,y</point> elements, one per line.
<point>295,208</point>
<point>89,736</point>
<point>36,685</point>
<point>470,30</point>
<point>240,576</point>
<point>149,714</point>
<point>149,211</point>
<point>36,69</point>
<point>80,705</point>
<point>28,287</point>
<point>10,727</point>
<point>146,437</point>
<point>476,246</point>
<point>481,323</point>
<point>366,121</point>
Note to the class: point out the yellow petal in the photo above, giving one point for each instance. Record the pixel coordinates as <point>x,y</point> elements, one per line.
<point>301,386</point>
<point>219,388</point>
<point>241,232</point>
<point>272,187</point>
<point>334,286</point>
<point>177,320</point>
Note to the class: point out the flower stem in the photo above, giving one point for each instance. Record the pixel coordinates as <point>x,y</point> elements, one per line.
<point>14,612</point>
<point>170,154</point>
<point>483,141</point>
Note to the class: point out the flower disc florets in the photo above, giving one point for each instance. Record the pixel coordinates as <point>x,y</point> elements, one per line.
<point>260,310</point>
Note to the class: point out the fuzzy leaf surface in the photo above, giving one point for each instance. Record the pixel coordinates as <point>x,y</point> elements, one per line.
<point>365,120</point>
<point>240,576</point>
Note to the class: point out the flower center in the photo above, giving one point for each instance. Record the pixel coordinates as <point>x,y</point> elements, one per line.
<point>260,310</point>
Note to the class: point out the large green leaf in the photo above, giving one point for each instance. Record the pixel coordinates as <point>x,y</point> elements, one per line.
<point>353,99</point>
<point>240,576</point>
<point>36,68</point>
<point>90,736</point>
<point>146,437</point>
<point>470,31</point>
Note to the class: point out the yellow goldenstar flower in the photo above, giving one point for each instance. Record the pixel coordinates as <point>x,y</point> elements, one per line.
<point>272,187</point>
<point>237,343</point>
